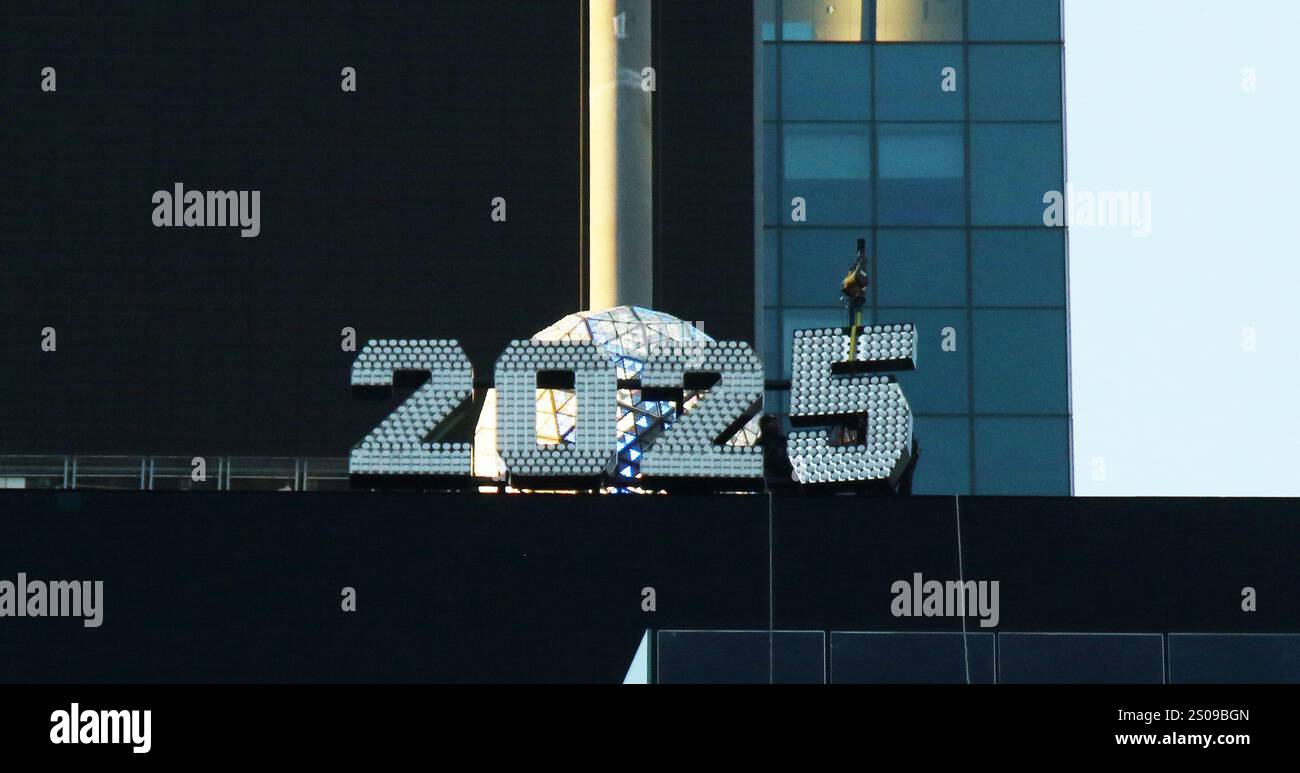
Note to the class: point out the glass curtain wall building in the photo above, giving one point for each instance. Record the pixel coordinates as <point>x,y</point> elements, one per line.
<point>933,129</point>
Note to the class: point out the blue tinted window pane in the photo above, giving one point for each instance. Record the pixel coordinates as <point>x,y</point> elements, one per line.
<point>922,174</point>
<point>803,319</point>
<point>819,20</point>
<point>909,83</point>
<point>712,657</point>
<point>911,658</point>
<point>771,173</point>
<point>1015,83</point>
<point>940,383</point>
<point>1234,658</point>
<point>1012,168</point>
<point>829,166</point>
<point>910,20</point>
<point>1020,361</point>
<point>741,657</point>
<point>771,266</point>
<point>798,657</point>
<point>1028,658</point>
<point>1021,267</point>
<point>771,74</point>
<point>767,18</point>
<point>816,260</point>
<point>1015,19</point>
<point>1022,457</point>
<point>920,267</point>
<point>772,343</point>
<point>775,401</point>
<point>943,465</point>
<point>826,83</point>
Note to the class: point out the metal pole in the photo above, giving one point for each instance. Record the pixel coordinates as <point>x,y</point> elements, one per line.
<point>620,154</point>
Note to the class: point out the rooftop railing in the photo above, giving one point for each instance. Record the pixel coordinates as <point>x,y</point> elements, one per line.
<point>174,473</point>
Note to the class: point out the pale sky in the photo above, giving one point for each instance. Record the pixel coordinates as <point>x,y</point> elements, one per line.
<point>1165,388</point>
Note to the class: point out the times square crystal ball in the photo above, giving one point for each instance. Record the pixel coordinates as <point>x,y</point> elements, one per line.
<point>627,334</point>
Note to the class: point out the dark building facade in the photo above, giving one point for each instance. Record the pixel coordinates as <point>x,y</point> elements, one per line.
<point>933,129</point>
<point>376,206</point>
